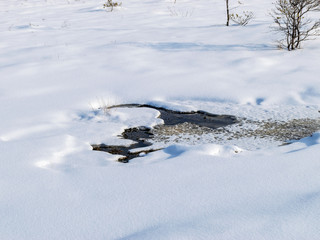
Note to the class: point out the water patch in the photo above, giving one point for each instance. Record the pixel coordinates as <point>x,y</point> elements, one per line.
<point>247,134</point>
<point>141,135</point>
<point>137,134</point>
<point>199,127</point>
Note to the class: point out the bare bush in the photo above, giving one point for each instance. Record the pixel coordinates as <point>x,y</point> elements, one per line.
<point>242,19</point>
<point>291,18</point>
<point>110,5</point>
<point>176,12</point>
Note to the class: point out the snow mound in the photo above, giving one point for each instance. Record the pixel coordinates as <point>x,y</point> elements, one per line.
<point>205,149</point>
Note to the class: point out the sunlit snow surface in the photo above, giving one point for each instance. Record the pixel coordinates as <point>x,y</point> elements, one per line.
<point>63,61</point>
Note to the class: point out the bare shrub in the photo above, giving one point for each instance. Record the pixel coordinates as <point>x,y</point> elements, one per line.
<point>291,18</point>
<point>110,5</point>
<point>242,19</point>
<point>178,12</point>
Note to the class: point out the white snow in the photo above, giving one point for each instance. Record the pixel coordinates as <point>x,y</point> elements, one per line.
<point>63,61</point>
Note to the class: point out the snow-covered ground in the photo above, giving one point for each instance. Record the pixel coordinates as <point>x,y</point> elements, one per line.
<point>63,61</point>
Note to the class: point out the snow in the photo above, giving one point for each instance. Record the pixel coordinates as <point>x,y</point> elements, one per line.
<point>63,61</point>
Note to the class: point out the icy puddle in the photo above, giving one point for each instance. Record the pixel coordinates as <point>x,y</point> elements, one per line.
<point>144,137</point>
<point>200,127</point>
<point>246,134</point>
<point>138,135</point>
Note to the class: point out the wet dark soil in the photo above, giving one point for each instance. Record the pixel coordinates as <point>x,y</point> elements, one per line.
<point>141,134</point>
<point>200,118</point>
<point>137,134</point>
